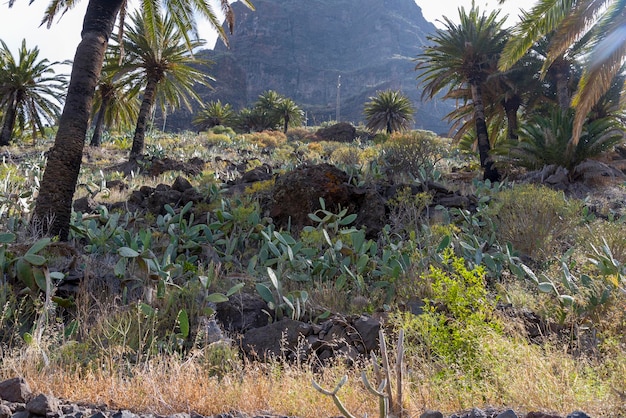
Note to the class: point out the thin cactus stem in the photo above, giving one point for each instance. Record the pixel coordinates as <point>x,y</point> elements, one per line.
<point>385,358</point>
<point>376,368</point>
<point>396,407</point>
<point>383,401</point>
<point>333,394</point>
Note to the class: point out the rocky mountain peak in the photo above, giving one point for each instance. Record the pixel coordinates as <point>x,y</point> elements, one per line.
<point>303,48</point>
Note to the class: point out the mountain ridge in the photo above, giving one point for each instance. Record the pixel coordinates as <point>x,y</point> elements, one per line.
<point>299,48</point>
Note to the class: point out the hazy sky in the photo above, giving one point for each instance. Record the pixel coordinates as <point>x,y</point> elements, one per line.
<point>59,43</point>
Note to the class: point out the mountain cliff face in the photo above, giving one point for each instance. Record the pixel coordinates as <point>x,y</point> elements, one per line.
<point>302,48</point>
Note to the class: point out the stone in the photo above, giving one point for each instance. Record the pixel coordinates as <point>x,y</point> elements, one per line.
<point>43,404</point>
<point>21,414</point>
<point>124,414</point>
<point>181,184</point>
<point>475,413</point>
<point>431,414</point>
<point>297,193</point>
<point>98,414</point>
<point>339,132</point>
<point>5,411</point>
<point>367,328</point>
<point>578,414</point>
<point>242,312</point>
<point>509,413</point>
<point>15,390</point>
<point>276,340</point>
<point>541,415</point>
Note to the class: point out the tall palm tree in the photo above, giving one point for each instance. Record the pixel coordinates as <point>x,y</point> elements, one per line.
<point>30,91</point>
<point>463,56</point>
<point>53,206</point>
<point>116,101</point>
<point>390,110</point>
<point>159,59</point>
<point>597,24</point>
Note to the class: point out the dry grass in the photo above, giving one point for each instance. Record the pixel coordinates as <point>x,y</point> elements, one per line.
<point>521,376</point>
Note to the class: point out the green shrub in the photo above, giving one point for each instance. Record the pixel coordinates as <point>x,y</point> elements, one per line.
<point>454,318</point>
<point>536,220</point>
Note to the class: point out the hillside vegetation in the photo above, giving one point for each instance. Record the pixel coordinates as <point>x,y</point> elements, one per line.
<point>515,299</point>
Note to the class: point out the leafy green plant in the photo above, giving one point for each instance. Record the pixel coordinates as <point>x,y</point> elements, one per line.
<point>458,311</point>
<point>581,295</point>
<point>30,268</point>
<point>291,304</point>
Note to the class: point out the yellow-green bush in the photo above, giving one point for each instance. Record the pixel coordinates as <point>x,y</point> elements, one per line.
<point>536,220</point>
<point>347,155</point>
<point>214,139</point>
<point>267,139</point>
<point>456,316</point>
<point>414,153</point>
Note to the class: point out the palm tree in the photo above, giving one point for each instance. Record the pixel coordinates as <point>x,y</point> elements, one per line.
<point>159,59</point>
<point>463,56</point>
<point>266,109</point>
<point>214,114</point>
<point>30,91</point>
<point>270,111</point>
<point>290,113</point>
<point>596,24</point>
<point>116,101</point>
<point>53,206</point>
<point>390,110</point>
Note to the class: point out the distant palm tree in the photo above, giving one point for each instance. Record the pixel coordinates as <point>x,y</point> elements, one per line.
<point>30,91</point>
<point>265,108</point>
<point>289,112</point>
<point>214,114</point>
<point>390,110</point>
<point>463,56</point>
<point>53,207</point>
<point>157,56</point>
<point>116,102</point>
<point>271,111</point>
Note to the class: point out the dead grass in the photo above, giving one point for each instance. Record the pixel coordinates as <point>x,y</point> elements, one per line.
<point>521,376</point>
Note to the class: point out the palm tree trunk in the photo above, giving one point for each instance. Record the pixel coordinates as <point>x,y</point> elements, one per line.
<point>140,130</point>
<point>96,138</point>
<point>9,123</point>
<point>561,78</point>
<point>53,207</point>
<point>286,118</point>
<point>511,106</point>
<point>490,171</point>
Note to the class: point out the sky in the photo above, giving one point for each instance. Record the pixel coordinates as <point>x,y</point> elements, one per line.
<point>59,43</point>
